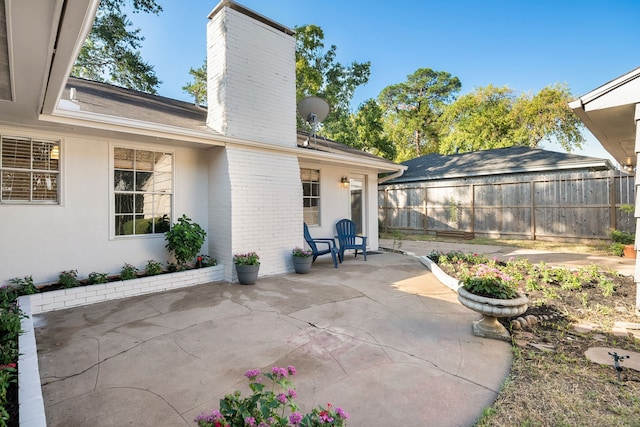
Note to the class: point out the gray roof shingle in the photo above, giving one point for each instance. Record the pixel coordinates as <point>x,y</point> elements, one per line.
<point>497,161</point>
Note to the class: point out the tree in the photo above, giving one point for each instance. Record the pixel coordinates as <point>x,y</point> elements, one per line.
<point>494,117</point>
<point>412,110</point>
<point>479,120</point>
<point>110,53</point>
<point>369,125</point>
<point>319,74</point>
<point>198,87</point>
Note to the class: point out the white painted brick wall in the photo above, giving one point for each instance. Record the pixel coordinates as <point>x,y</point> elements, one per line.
<point>251,80</point>
<point>266,200</point>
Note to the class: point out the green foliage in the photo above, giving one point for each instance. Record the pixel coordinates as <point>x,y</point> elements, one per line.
<point>10,329</point>
<point>198,87</point>
<point>489,282</point>
<point>208,261</point>
<point>24,286</point>
<point>623,237</point>
<point>97,278</point>
<point>250,258</point>
<point>270,404</point>
<point>617,249</point>
<point>185,239</point>
<point>319,74</point>
<point>128,272</point>
<point>412,110</point>
<point>153,268</point>
<point>495,117</point>
<point>113,48</point>
<point>69,279</point>
<point>301,252</point>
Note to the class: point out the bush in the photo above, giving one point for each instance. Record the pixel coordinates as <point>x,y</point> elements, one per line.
<point>185,239</point>
<point>97,278</point>
<point>624,237</point>
<point>128,272</point>
<point>69,279</point>
<point>153,268</point>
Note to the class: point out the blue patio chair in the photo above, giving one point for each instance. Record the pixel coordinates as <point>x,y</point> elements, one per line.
<point>348,239</point>
<point>331,247</point>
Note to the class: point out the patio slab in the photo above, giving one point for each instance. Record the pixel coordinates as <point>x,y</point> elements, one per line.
<point>383,339</point>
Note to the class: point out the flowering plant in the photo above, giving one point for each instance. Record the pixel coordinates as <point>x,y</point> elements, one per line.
<point>269,406</point>
<point>488,281</point>
<point>301,252</point>
<point>250,258</point>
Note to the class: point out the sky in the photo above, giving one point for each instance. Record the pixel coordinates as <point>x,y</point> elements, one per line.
<point>525,45</point>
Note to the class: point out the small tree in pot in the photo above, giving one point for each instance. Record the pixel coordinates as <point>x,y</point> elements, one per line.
<point>184,240</point>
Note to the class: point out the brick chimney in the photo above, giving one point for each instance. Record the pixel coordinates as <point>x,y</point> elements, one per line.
<point>251,81</point>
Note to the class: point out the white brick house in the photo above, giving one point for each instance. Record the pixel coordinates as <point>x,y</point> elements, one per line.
<point>89,171</point>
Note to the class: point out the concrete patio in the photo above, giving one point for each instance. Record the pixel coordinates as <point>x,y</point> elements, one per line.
<point>383,339</point>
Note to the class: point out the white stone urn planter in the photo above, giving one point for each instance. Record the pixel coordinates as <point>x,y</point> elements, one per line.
<point>492,309</point>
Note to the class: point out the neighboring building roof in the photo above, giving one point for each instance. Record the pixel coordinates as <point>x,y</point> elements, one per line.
<point>498,161</point>
<point>108,100</point>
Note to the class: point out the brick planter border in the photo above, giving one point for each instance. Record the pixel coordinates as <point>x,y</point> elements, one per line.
<point>29,387</point>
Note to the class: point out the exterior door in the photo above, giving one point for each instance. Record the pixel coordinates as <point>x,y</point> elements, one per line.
<point>357,200</point>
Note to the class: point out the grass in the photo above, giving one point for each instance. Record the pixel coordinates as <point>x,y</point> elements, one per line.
<point>562,387</point>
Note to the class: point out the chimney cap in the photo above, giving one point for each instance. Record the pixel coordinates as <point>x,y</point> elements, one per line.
<point>250,13</point>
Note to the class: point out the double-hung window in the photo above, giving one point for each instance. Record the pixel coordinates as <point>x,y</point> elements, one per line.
<point>311,195</point>
<point>142,190</point>
<point>29,170</point>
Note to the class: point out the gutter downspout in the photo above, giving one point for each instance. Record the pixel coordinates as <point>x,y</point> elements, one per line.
<point>392,176</point>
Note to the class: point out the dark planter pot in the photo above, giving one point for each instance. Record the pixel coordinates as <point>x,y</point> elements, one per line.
<point>247,274</point>
<point>302,264</point>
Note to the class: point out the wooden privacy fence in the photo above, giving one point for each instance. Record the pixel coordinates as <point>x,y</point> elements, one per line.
<point>574,206</point>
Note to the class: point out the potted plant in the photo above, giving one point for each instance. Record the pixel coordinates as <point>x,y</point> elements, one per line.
<point>490,292</point>
<point>302,260</point>
<point>184,240</point>
<point>623,241</point>
<point>247,266</point>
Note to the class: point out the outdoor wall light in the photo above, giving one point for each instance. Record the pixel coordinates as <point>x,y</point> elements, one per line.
<point>628,165</point>
<point>344,182</point>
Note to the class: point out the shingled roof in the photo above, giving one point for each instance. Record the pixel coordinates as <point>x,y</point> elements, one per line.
<point>499,161</point>
<point>109,100</point>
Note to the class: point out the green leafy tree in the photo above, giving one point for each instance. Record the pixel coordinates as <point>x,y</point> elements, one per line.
<point>369,125</point>
<point>412,110</point>
<point>319,74</point>
<point>111,52</point>
<point>198,87</point>
<point>495,117</point>
<point>546,116</point>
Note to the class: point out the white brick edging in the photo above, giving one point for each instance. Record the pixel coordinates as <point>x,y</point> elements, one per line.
<point>83,295</point>
<point>446,280</point>
<point>31,403</point>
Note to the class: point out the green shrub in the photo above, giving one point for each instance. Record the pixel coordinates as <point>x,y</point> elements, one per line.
<point>185,239</point>
<point>25,285</point>
<point>69,279</point>
<point>128,272</point>
<point>153,268</point>
<point>97,278</point>
<point>624,237</point>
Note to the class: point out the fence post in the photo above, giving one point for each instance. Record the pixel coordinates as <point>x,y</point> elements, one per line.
<point>532,206</point>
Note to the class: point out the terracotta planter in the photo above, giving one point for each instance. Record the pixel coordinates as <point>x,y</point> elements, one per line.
<point>302,264</point>
<point>630,251</point>
<point>247,274</point>
<point>491,309</point>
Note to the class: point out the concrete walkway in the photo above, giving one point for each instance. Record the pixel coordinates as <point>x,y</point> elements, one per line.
<point>382,339</point>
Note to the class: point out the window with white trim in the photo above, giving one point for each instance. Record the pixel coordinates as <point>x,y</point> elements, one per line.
<point>29,170</point>
<point>142,191</point>
<point>310,195</point>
